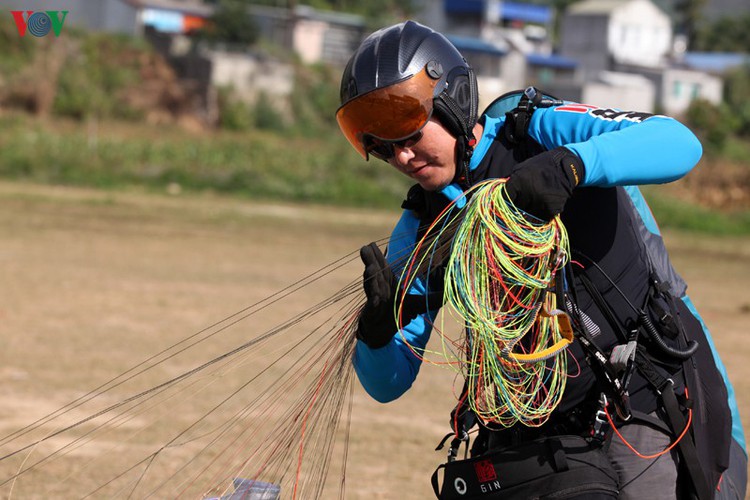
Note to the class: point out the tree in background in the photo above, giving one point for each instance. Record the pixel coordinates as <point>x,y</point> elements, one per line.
<point>560,8</point>
<point>726,34</point>
<point>713,124</point>
<point>730,34</point>
<point>688,16</point>
<point>737,96</point>
<point>231,24</point>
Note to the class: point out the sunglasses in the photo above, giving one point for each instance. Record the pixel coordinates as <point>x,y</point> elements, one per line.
<point>376,121</point>
<point>384,150</point>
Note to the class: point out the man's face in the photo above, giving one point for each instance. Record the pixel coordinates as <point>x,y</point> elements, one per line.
<point>431,161</point>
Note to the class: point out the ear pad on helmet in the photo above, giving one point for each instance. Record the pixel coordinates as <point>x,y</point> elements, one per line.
<point>447,116</point>
<point>460,92</point>
<point>456,107</point>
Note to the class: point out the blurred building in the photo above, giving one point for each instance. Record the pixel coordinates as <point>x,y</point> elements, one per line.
<point>507,43</point>
<point>171,16</point>
<point>619,53</point>
<point>616,41</point>
<point>314,36</point>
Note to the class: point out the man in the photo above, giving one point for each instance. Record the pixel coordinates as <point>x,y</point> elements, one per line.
<point>409,98</point>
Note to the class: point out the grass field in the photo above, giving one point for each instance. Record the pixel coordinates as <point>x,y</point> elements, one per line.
<point>94,282</point>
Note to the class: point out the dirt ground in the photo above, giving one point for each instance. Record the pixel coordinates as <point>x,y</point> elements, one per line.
<point>94,282</point>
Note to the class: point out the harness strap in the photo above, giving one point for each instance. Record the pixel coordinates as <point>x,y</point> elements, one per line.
<point>664,386</point>
<point>601,366</point>
<point>520,117</point>
<point>462,420</point>
<point>676,422</point>
<point>604,307</point>
<point>686,445</point>
<point>623,356</point>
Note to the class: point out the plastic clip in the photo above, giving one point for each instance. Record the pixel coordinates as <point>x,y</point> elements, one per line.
<point>601,424</point>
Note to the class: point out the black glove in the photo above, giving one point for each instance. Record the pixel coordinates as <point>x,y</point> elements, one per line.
<point>541,185</point>
<point>377,325</point>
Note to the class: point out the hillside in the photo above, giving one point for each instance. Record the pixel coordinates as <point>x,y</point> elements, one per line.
<point>111,113</point>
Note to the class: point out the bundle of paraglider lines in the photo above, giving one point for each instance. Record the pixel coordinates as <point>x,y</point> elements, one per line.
<point>275,409</point>
<point>499,281</point>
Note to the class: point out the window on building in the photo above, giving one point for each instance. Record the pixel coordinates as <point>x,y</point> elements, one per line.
<point>545,76</point>
<point>676,88</point>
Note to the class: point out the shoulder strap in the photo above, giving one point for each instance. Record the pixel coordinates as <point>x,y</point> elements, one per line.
<point>517,120</point>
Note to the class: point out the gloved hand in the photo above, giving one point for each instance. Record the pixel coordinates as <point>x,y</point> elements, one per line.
<point>542,184</point>
<point>377,325</point>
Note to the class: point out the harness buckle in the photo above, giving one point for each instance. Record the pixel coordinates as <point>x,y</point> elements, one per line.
<point>456,444</point>
<point>601,423</point>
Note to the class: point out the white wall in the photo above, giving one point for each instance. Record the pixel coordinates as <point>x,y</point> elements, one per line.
<point>625,92</point>
<point>680,87</point>
<point>308,40</point>
<point>489,90</point>
<point>250,77</point>
<point>639,33</point>
<point>584,38</point>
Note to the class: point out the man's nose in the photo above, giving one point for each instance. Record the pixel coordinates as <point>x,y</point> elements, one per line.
<point>402,154</point>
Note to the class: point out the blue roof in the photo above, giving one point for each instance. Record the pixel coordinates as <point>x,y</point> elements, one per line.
<point>464,6</point>
<point>468,44</point>
<point>715,61</point>
<point>551,60</point>
<point>512,11</point>
<point>525,12</point>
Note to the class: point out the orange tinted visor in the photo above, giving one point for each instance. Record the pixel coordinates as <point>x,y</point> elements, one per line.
<point>390,113</point>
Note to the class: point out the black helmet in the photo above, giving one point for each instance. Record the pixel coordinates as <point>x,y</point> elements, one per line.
<point>397,78</point>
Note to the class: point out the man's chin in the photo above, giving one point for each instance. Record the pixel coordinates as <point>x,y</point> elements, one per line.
<point>429,186</point>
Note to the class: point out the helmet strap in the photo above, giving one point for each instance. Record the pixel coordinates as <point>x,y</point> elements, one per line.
<point>464,150</point>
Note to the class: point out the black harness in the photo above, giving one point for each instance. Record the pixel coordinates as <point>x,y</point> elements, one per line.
<point>643,345</point>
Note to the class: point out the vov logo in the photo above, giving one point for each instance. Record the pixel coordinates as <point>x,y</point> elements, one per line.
<point>39,23</point>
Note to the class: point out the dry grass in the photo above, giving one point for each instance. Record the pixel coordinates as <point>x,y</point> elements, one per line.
<point>93,283</point>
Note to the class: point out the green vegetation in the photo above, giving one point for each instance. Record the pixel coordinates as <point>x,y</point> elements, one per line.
<point>93,133</point>
<point>255,165</point>
<point>688,16</point>
<point>260,152</point>
<point>677,214</point>
<point>15,55</point>
<point>231,25</point>
<point>91,83</point>
<point>258,165</point>
<point>717,124</point>
<point>726,34</point>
